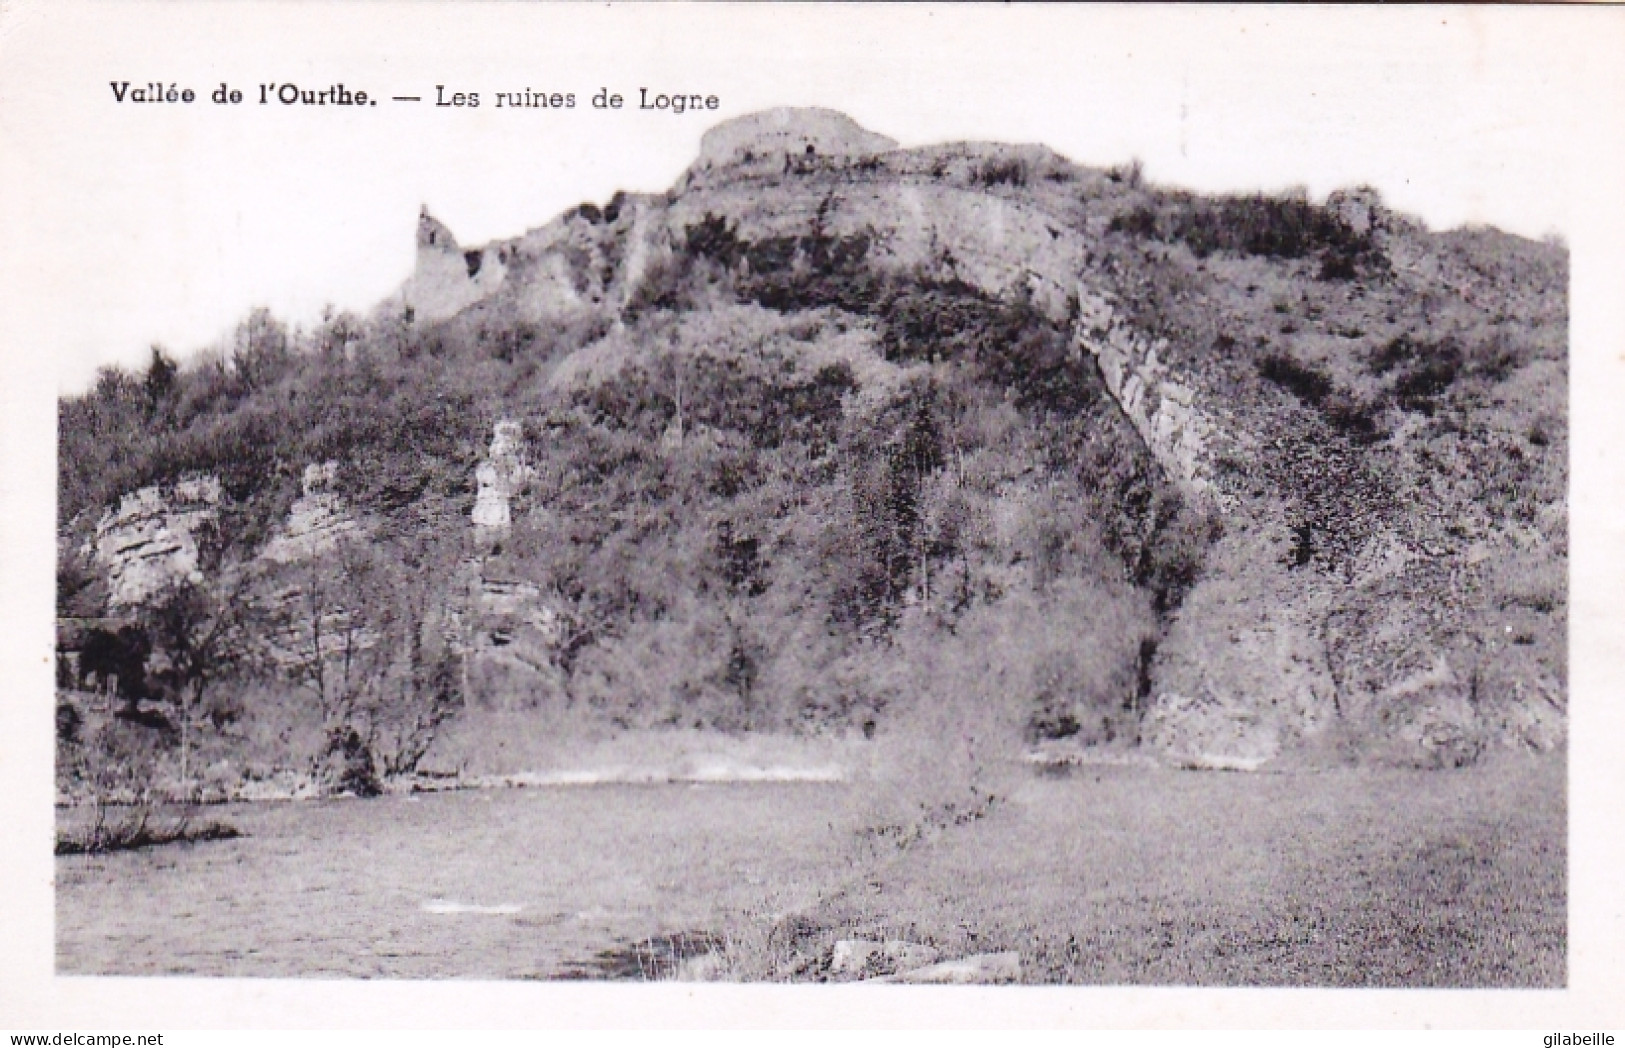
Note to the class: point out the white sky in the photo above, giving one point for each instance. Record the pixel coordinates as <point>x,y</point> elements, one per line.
<point>165,223</point>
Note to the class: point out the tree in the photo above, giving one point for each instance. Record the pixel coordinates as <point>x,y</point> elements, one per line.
<point>886,500</point>
<point>159,381</point>
<point>192,627</point>
<point>337,332</point>
<point>369,630</point>
<point>430,686</point>
<point>334,617</point>
<point>911,465</point>
<point>259,348</point>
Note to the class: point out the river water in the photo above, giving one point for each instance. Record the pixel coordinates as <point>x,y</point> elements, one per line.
<point>531,883</point>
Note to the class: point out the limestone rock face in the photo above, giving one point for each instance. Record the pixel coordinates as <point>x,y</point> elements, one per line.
<point>1163,410</point>
<point>518,603</point>
<point>1432,713</point>
<point>1422,664</point>
<point>501,476</point>
<point>514,616</point>
<point>317,522</point>
<point>1441,667</point>
<point>152,540</point>
<point>511,636</point>
<point>1243,671</point>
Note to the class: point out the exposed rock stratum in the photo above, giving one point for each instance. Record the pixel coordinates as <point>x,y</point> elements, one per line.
<point>1369,416</point>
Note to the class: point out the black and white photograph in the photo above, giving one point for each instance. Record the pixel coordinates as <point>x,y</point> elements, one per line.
<point>916,496</point>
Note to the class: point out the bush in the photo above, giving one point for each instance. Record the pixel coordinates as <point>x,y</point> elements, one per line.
<point>137,829</point>
<point>1352,417</point>
<point>672,671</point>
<point>1425,371</point>
<point>963,703</point>
<point>1131,174</point>
<point>1307,383</point>
<point>1285,227</point>
<point>1003,171</point>
<point>1421,386</point>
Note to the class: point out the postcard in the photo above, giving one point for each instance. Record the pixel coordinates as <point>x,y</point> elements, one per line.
<point>810,516</point>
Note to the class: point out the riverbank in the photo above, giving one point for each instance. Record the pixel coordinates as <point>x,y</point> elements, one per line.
<point>1104,874</point>
<point>513,751</point>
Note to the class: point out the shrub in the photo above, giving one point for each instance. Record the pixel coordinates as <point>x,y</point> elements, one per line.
<point>1392,354</point>
<point>1352,417</point>
<point>966,701</point>
<point>1421,384</point>
<point>1286,226</point>
<point>714,237</point>
<point>1131,174</point>
<point>1137,221</point>
<point>1003,171</point>
<point>667,671</point>
<point>138,830</point>
<point>69,722</point>
<point>1303,381</point>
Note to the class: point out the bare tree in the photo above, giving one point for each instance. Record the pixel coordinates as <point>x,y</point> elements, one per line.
<point>370,630</point>
<point>428,660</point>
<point>193,630</point>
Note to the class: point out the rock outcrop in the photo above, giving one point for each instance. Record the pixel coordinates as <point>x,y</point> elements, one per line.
<point>1243,671</point>
<point>1164,411</point>
<point>318,520</point>
<point>501,476</point>
<point>515,623</point>
<point>1247,667</point>
<point>153,540</point>
<point>771,140</point>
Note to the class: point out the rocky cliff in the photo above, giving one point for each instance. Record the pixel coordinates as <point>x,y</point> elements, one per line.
<point>1324,445</point>
<point>1253,659</point>
<point>317,521</point>
<point>501,476</point>
<point>152,540</point>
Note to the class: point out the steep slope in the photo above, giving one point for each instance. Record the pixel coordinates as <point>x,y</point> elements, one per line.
<point>833,432</point>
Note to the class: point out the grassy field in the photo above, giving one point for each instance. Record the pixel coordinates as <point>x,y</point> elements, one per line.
<point>1118,875</point>
<point>1108,874</point>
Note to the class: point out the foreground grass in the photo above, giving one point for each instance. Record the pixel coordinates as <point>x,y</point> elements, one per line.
<point>1140,876</point>
<point>137,829</point>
